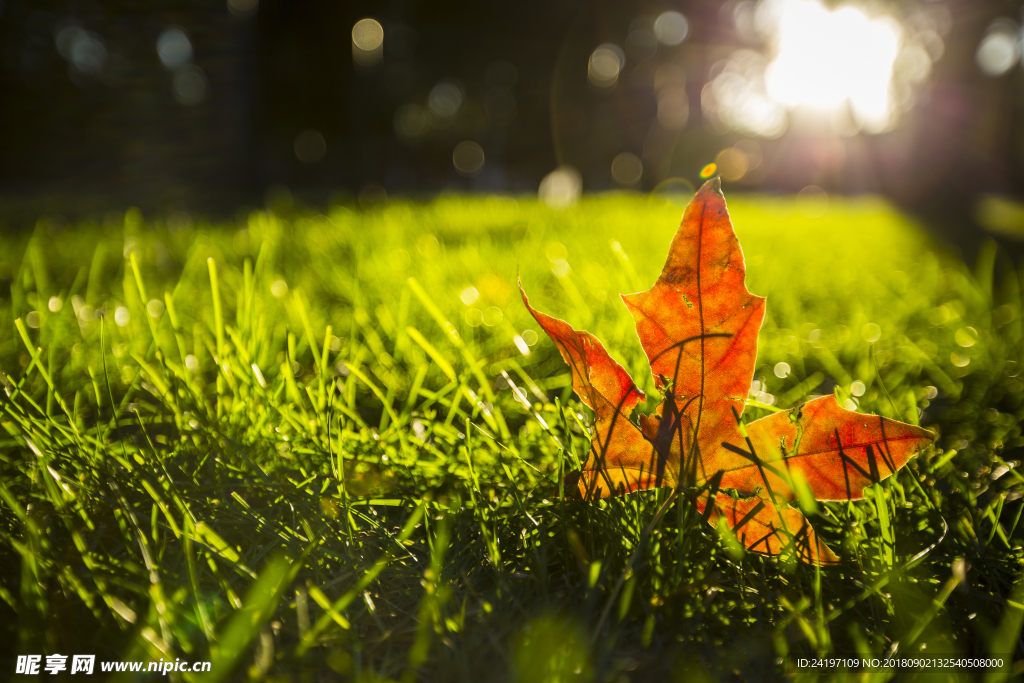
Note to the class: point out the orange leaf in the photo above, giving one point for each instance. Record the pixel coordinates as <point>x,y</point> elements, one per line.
<point>838,452</point>
<point>698,326</point>
<point>768,529</point>
<point>621,459</point>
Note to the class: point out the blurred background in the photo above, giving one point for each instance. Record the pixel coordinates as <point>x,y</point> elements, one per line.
<point>211,106</point>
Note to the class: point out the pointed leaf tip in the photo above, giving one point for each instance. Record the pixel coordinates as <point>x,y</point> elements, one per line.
<point>712,185</point>
<point>596,377</point>
<point>699,324</point>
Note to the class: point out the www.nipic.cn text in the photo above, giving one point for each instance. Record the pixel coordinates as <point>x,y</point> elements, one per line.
<point>33,665</point>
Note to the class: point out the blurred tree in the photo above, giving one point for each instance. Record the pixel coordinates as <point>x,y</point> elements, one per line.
<point>208,104</point>
<point>93,112</point>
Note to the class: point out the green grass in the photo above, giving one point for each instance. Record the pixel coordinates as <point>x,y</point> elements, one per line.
<point>290,447</point>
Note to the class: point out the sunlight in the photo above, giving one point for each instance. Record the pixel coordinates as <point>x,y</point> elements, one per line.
<point>846,67</point>
<point>826,59</point>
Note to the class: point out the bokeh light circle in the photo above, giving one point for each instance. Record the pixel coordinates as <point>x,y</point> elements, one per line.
<point>468,157</point>
<point>627,169</point>
<point>671,28</point>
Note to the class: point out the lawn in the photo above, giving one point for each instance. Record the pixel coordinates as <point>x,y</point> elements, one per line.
<point>313,447</point>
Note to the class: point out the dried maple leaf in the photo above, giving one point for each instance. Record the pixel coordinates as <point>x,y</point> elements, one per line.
<point>698,325</point>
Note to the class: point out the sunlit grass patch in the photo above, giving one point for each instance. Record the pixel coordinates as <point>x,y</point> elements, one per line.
<point>334,442</point>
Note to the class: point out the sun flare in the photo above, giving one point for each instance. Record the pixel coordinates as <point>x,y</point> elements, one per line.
<point>847,66</point>
<point>827,59</point>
